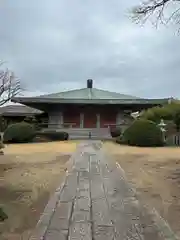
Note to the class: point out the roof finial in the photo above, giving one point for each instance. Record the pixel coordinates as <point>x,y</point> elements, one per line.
<point>89,83</point>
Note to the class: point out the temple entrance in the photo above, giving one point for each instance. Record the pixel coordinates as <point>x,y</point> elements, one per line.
<point>90,118</point>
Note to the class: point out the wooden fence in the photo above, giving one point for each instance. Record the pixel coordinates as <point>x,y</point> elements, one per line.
<point>173,140</point>
<point>176,140</point>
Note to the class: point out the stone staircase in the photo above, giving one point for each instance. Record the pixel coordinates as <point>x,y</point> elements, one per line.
<point>86,133</point>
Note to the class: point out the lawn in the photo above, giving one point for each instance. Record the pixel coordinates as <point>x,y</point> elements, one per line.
<point>29,174</point>
<point>155,172</point>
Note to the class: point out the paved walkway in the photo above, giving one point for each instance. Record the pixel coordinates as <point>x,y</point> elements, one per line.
<point>94,203</point>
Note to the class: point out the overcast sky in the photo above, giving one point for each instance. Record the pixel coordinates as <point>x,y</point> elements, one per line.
<point>56,45</point>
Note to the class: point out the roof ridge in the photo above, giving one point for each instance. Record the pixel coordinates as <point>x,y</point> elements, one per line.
<point>89,93</point>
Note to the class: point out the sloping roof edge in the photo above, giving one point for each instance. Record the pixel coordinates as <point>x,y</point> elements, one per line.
<point>89,101</point>
<point>18,110</point>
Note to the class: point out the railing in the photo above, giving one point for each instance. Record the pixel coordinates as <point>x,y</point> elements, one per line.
<point>122,126</point>
<point>55,125</point>
<point>173,140</point>
<point>74,125</point>
<point>176,140</point>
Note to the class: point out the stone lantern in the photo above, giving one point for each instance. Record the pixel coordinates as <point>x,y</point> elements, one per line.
<point>162,126</point>
<point>135,115</point>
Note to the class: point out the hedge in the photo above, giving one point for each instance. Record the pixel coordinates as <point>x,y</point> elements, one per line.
<point>53,136</point>
<point>21,132</point>
<point>143,133</point>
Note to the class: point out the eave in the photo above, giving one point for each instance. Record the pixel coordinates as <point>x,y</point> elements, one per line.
<point>14,114</point>
<point>26,100</point>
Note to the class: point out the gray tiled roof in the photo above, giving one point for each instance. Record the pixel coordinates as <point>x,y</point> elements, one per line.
<point>88,96</point>
<point>18,110</point>
<point>88,93</point>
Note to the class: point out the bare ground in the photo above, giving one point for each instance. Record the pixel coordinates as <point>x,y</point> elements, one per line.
<point>29,174</point>
<point>155,172</point>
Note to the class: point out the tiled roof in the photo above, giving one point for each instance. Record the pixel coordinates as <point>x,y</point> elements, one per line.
<point>88,93</point>
<point>18,110</point>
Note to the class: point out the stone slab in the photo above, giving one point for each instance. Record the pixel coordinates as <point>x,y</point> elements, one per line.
<point>68,193</point>
<point>80,231</point>
<point>100,213</point>
<point>55,235</point>
<point>61,218</point>
<point>64,209</point>
<point>97,189</point>
<point>81,216</point>
<point>82,204</point>
<point>103,233</point>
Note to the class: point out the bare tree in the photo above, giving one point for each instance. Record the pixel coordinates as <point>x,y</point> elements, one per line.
<point>156,8</point>
<point>9,85</point>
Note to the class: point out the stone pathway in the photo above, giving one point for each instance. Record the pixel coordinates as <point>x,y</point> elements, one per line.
<point>95,203</point>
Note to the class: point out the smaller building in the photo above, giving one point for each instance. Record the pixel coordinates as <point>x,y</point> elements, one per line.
<point>17,110</point>
<point>17,113</point>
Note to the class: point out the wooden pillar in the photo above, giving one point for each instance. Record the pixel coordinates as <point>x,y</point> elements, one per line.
<point>98,121</point>
<point>81,120</point>
<point>61,121</point>
<point>118,118</point>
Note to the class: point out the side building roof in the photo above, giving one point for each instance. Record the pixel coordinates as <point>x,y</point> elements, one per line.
<point>18,110</point>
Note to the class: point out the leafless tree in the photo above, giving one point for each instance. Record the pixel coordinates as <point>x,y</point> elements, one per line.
<point>156,9</point>
<point>9,85</point>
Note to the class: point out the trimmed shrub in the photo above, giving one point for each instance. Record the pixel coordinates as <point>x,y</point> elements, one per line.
<point>21,132</point>
<point>143,133</point>
<point>33,121</point>
<point>157,113</point>
<point>115,132</point>
<point>170,111</point>
<point>53,136</point>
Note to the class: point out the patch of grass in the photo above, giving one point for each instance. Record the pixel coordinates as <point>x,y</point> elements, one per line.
<point>29,175</point>
<point>47,147</point>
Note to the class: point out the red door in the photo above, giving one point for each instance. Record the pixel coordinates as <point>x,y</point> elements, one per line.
<point>90,118</point>
<point>71,117</point>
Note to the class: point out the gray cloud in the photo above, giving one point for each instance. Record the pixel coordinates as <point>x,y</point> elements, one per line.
<point>56,45</point>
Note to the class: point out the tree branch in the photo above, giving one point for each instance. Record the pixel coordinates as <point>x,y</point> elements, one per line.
<point>146,9</point>
<point>9,86</point>
<point>149,6</point>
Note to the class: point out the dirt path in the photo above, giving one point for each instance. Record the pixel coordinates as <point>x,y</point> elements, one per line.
<point>155,172</point>
<point>29,174</point>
